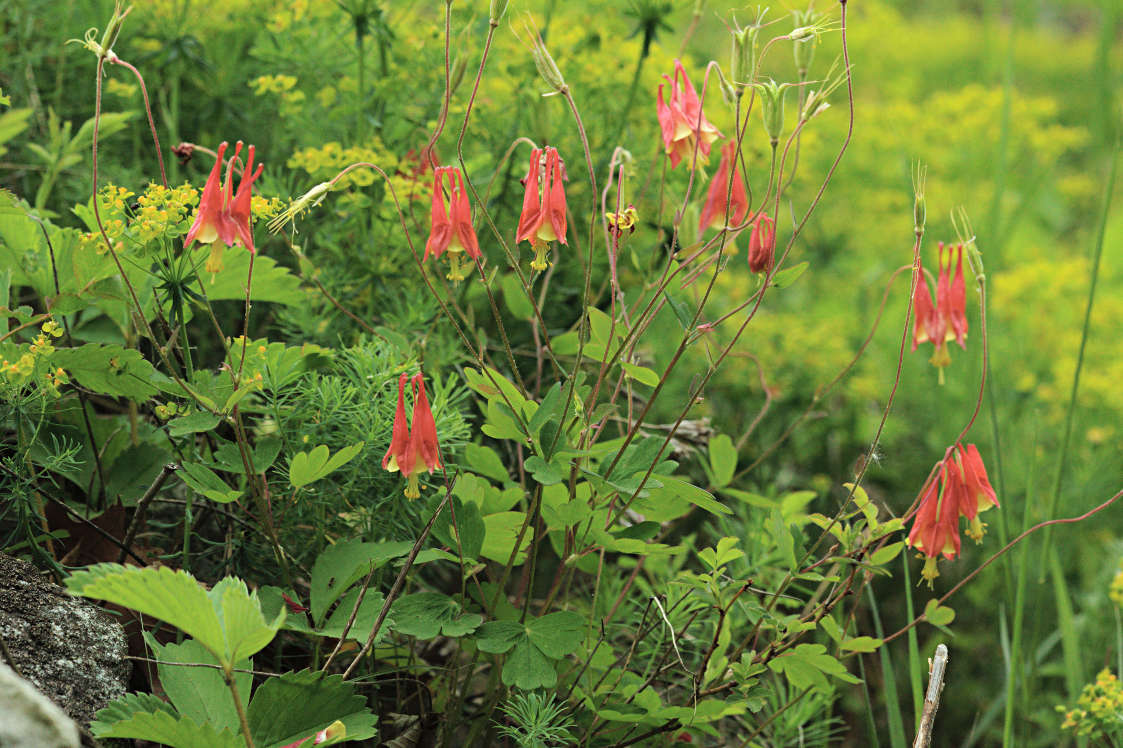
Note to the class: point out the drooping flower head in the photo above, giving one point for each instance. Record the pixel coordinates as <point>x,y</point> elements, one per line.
<point>543,215</point>
<point>960,489</point>
<point>223,217</point>
<point>682,121</point>
<point>762,243</point>
<point>946,320</point>
<point>451,231</point>
<point>977,495</point>
<point>714,209</point>
<point>413,445</point>
<point>935,529</point>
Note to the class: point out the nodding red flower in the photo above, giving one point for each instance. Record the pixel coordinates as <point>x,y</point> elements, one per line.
<point>977,495</point>
<point>412,446</point>
<point>713,212</point>
<point>762,243</point>
<point>451,231</point>
<point>961,489</point>
<point>222,215</point>
<point>543,217</point>
<point>682,121</point>
<point>399,439</point>
<point>935,528</point>
<point>946,320</point>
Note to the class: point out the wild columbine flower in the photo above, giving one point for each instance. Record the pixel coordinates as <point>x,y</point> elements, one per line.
<point>543,217</point>
<point>762,243</point>
<point>946,319</point>
<point>961,489</point>
<point>682,121</point>
<point>223,216</point>
<point>977,495</point>
<point>410,447</point>
<point>451,231</point>
<point>713,212</point>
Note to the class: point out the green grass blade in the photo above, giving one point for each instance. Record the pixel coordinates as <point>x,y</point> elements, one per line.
<point>892,701</point>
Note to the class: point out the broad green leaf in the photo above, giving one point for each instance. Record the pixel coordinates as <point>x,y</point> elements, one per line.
<point>938,615</point>
<point>425,614</point>
<point>861,644</point>
<point>298,704</point>
<point>271,282</point>
<point>723,460</point>
<point>514,296</point>
<point>307,467</point>
<point>160,726</point>
<point>556,634</point>
<point>193,423</point>
<point>528,668</point>
<point>828,624</point>
<point>885,555</point>
<point>171,596</point>
<point>788,276</point>
<point>808,665</point>
<point>199,693</point>
<point>546,473</point>
<point>343,564</point>
<point>369,608</point>
<point>502,528</point>
<point>641,374</point>
<point>206,481</point>
<point>699,497</point>
<point>227,620</point>
<point>245,628</point>
<point>497,637</point>
<point>485,462</point>
<point>108,370</point>
<point>782,536</point>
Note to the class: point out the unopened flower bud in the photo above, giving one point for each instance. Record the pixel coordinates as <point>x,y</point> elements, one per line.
<point>772,108</point>
<point>729,92</point>
<point>497,9</point>
<point>744,54</point>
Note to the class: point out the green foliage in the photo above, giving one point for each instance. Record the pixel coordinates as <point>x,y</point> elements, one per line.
<point>226,620</point>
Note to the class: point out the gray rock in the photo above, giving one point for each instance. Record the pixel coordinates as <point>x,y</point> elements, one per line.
<point>70,650</point>
<point>28,719</point>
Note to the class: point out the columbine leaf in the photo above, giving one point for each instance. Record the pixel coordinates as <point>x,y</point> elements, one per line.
<point>425,614</point>
<point>307,467</point>
<point>342,565</point>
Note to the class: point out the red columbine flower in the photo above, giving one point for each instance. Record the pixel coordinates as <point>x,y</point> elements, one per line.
<point>713,212</point>
<point>543,217</point>
<point>935,528</point>
<point>961,490</point>
<point>452,233</point>
<point>412,447</point>
<point>977,495</point>
<point>945,320</point>
<point>399,439</point>
<point>222,215</point>
<point>762,243</point>
<point>682,121</point>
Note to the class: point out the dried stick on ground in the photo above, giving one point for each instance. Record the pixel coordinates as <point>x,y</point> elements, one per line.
<point>936,668</point>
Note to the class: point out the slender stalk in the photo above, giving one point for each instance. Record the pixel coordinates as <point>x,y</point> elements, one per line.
<point>1097,254</point>
<point>228,676</point>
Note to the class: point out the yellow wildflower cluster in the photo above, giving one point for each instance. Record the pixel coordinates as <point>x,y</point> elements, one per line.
<point>1115,591</point>
<point>288,13</point>
<point>331,158</point>
<point>158,212</point>
<point>38,351</point>
<point>284,87</point>
<point>1099,710</point>
<point>120,88</point>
